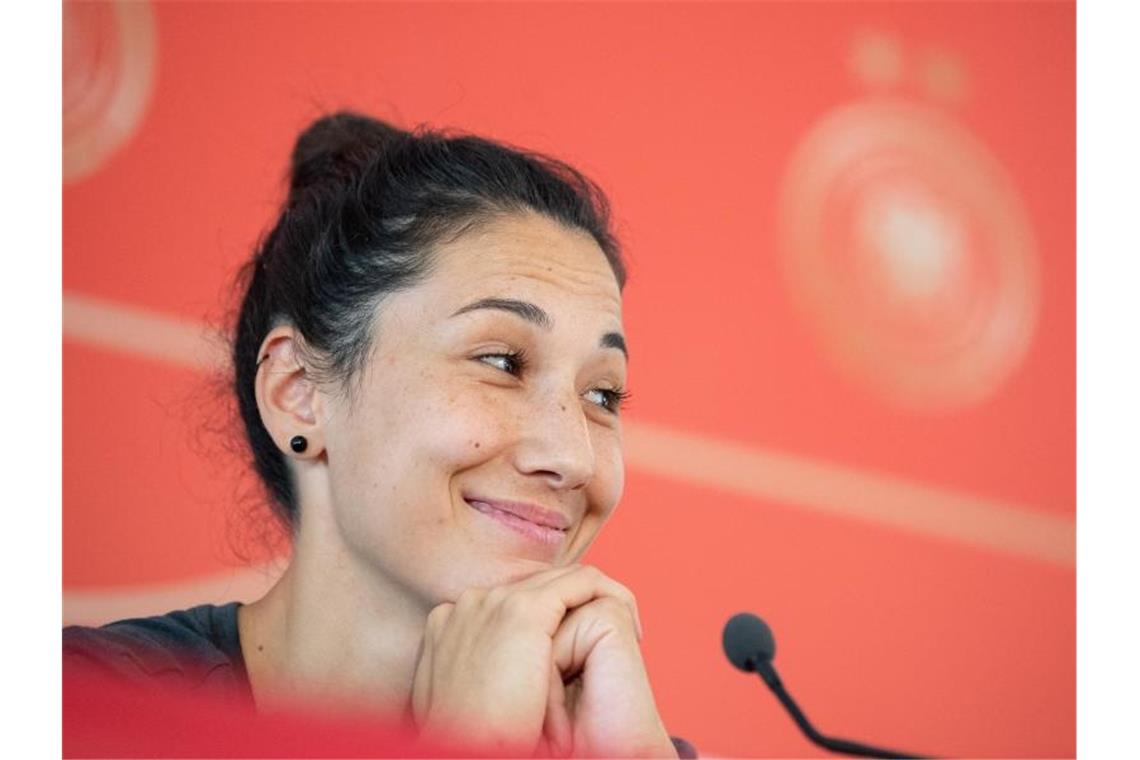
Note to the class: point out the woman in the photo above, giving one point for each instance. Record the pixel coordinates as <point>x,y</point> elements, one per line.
<point>429,362</point>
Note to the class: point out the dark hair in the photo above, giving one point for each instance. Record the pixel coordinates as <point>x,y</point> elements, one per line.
<point>367,203</point>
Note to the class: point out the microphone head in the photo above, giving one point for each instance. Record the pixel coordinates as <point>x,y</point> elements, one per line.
<point>747,640</point>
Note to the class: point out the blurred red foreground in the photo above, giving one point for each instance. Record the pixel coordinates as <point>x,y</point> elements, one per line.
<point>104,718</point>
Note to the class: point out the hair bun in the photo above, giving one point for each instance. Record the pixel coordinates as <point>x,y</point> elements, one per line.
<point>336,148</point>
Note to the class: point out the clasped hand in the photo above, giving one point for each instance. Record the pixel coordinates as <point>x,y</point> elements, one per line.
<point>549,666</point>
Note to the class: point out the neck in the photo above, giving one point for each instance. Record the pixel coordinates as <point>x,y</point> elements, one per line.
<point>331,635</point>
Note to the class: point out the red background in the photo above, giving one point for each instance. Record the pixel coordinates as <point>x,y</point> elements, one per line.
<point>687,115</point>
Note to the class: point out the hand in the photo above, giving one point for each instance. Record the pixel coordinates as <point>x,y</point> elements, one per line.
<point>486,672</point>
<point>606,708</point>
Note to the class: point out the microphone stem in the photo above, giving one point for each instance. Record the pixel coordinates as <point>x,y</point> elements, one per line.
<point>842,746</point>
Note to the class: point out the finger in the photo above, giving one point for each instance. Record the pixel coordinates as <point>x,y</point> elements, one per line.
<point>539,579</point>
<point>496,595</point>
<point>586,626</point>
<point>572,585</point>
<point>422,681</point>
<point>439,615</point>
<point>585,584</point>
<point>556,726</point>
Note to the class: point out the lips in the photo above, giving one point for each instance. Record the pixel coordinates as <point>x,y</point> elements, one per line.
<point>543,531</point>
<point>531,513</point>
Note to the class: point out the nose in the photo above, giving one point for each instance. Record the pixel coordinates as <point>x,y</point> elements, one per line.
<point>554,443</point>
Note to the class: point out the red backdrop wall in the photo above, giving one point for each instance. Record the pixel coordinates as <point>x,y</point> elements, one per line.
<point>851,315</point>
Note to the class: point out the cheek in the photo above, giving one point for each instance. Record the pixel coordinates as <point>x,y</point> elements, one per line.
<point>604,494</point>
<point>464,427</point>
<point>395,455</point>
<point>609,479</point>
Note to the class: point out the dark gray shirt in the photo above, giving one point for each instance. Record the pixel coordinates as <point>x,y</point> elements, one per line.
<point>196,650</point>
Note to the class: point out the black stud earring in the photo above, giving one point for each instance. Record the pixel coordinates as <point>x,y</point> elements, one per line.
<point>298,443</point>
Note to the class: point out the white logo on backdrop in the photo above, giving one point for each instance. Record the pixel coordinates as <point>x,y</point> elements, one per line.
<point>905,242</point>
<point>108,68</point>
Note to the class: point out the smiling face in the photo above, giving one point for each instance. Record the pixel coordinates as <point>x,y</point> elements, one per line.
<point>482,442</point>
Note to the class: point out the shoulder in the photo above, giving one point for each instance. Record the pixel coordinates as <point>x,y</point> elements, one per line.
<point>193,648</point>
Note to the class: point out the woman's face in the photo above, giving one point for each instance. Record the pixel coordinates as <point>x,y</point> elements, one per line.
<point>483,442</point>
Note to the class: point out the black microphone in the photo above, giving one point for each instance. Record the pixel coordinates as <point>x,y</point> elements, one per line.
<point>750,646</point>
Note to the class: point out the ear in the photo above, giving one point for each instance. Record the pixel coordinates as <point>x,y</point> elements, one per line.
<point>286,396</point>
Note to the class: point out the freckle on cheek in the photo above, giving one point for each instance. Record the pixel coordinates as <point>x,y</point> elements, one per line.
<point>477,444</point>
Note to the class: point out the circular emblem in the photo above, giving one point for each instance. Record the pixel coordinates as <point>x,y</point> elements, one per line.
<point>108,65</point>
<point>907,249</point>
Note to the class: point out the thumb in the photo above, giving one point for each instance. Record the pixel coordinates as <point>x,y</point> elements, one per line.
<point>556,727</point>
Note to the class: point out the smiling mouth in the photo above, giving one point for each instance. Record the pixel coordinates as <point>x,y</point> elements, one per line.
<point>533,522</point>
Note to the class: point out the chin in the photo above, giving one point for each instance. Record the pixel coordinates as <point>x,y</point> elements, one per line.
<point>499,573</point>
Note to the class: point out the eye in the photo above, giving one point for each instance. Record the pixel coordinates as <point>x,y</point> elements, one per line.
<point>511,362</point>
<point>609,399</point>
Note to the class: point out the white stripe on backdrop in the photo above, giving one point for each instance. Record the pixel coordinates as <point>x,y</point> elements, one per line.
<point>796,481</point>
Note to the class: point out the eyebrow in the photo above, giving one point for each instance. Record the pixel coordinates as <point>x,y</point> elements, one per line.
<point>536,315</point>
